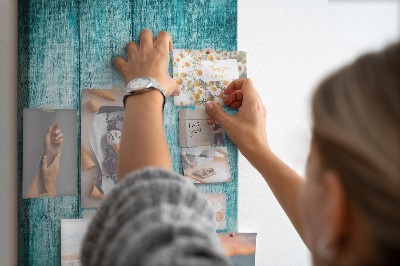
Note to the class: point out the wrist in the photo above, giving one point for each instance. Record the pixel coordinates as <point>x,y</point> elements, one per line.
<point>150,99</point>
<point>255,152</point>
<point>50,188</point>
<point>49,156</point>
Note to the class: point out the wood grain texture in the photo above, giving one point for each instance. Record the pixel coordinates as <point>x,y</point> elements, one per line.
<point>68,45</point>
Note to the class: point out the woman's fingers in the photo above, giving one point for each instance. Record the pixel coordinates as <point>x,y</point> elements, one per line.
<point>164,41</point>
<point>56,126</point>
<point>236,105</point>
<point>177,91</point>
<point>233,97</point>
<point>241,92</point>
<point>147,40</point>
<point>119,64</point>
<point>131,48</point>
<point>48,132</point>
<point>234,86</point>
<point>59,136</point>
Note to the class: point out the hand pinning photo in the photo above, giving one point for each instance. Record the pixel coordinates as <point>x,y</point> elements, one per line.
<point>198,129</point>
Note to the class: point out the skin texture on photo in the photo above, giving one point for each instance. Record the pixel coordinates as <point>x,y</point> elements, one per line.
<point>44,182</point>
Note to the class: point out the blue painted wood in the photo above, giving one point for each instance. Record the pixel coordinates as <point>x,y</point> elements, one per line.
<point>48,75</point>
<point>68,45</point>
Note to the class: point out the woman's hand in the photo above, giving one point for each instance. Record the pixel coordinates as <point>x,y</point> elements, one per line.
<point>247,129</point>
<point>53,142</point>
<point>150,59</point>
<point>50,174</point>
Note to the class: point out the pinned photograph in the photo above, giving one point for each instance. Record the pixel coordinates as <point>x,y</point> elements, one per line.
<point>218,201</point>
<point>72,234</point>
<point>204,74</point>
<point>49,153</point>
<point>206,165</point>
<point>198,129</point>
<point>239,247</point>
<point>102,115</point>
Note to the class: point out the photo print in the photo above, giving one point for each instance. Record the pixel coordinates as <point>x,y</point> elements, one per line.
<point>206,164</point>
<point>240,248</point>
<point>102,115</point>
<point>72,234</point>
<point>198,129</point>
<point>218,201</point>
<point>49,153</point>
<point>204,76</point>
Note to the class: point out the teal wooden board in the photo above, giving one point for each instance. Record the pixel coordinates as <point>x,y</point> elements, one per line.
<point>65,46</point>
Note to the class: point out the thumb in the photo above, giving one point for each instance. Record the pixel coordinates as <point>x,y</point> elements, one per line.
<point>44,163</point>
<point>217,113</point>
<point>49,131</point>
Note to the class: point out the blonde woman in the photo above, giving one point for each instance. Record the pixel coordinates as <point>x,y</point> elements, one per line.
<point>346,210</point>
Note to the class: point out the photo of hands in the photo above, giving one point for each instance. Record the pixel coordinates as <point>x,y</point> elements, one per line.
<point>206,165</point>
<point>49,155</point>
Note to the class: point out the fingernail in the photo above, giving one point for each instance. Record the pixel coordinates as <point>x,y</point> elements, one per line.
<point>179,90</point>
<point>209,106</point>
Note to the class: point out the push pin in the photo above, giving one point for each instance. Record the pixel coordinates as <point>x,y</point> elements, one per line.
<point>208,51</point>
<point>232,234</point>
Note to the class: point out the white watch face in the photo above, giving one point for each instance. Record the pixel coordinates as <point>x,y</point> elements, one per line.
<point>140,83</point>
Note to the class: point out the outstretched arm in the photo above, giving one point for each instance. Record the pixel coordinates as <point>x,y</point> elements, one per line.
<point>36,187</point>
<point>143,141</point>
<point>250,121</point>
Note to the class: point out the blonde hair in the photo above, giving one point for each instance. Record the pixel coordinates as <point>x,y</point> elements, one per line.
<point>356,130</point>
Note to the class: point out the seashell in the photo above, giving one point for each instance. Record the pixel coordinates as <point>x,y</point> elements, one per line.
<point>96,193</point>
<point>103,93</point>
<point>87,161</point>
<point>93,106</point>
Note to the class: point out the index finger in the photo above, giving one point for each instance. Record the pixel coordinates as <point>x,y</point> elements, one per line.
<point>146,40</point>
<point>56,126</point>
<point>245,85</point>
<point>233,86</point>
<point>164,41</point>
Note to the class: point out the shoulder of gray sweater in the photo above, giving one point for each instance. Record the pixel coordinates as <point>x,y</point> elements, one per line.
<point>148,200</point>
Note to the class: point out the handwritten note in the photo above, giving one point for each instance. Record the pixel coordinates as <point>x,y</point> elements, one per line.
<point>218,70</point>
<point>194,128</point>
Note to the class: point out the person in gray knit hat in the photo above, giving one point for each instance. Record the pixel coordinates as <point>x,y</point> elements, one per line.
<point>154,216</point>
<point>346,210</point>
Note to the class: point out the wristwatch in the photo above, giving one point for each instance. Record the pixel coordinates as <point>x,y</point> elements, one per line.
<point>143,85</point>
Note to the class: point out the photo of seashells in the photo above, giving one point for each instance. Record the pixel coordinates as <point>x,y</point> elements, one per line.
<point>102,114</point>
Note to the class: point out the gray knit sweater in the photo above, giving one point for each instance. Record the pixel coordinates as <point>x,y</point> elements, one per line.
<point>154,217</point>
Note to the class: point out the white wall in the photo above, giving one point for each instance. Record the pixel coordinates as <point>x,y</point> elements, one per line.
<point>291,45</point>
